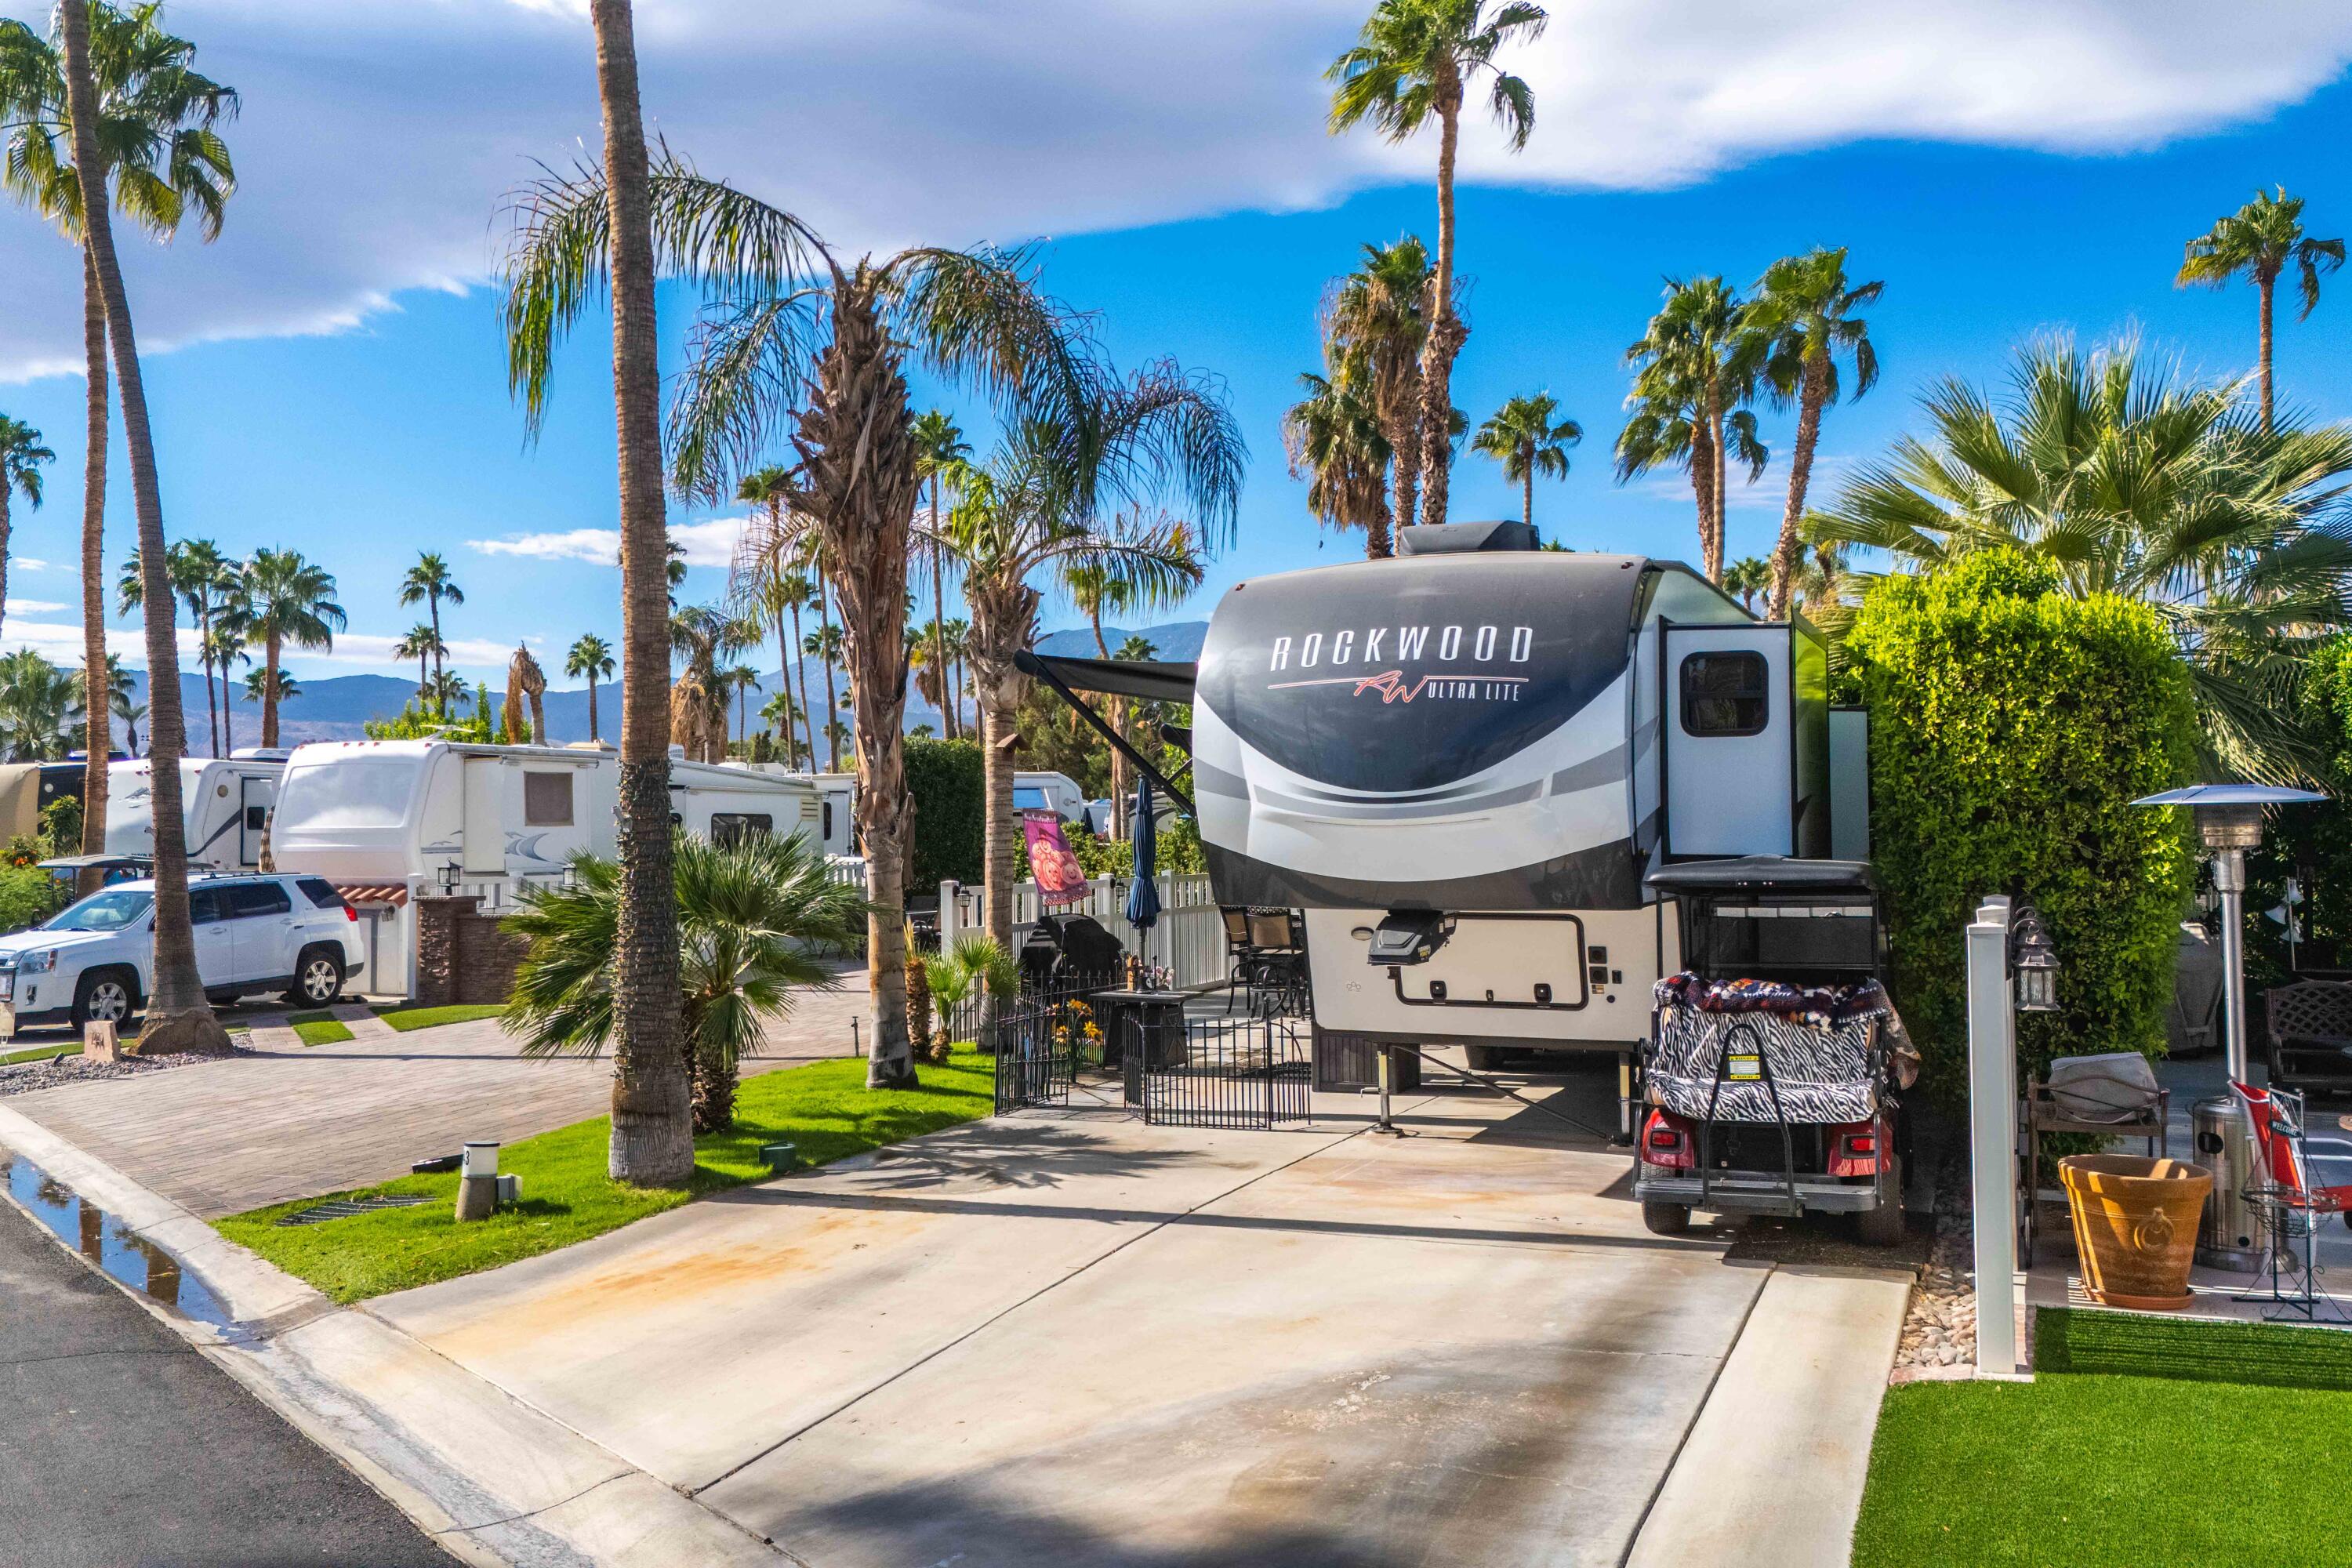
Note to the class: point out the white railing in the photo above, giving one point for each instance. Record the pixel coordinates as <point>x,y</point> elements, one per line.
<point>1189,938</point>
<point>846,869</point>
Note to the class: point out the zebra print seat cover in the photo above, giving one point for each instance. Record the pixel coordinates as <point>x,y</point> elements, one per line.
<point>1824,1075</point>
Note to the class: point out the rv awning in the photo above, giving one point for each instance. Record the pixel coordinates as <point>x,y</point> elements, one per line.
<point>1150,681</point>
<point>1763,873</point>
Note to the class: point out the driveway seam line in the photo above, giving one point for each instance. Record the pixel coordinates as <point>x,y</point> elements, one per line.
<point>1152,1229</point>
<point>1634,1537</point>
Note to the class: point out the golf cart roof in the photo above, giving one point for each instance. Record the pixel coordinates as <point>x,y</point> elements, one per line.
<point>143,864</point>
<point>1764,873</point>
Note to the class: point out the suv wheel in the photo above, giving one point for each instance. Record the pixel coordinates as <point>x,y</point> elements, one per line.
<point>103,993</point>
<point>317,979</point>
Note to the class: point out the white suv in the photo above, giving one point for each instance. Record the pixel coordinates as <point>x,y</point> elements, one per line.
<point>95,959</point>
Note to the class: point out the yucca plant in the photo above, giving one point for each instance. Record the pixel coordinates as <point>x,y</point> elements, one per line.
<point>751,916</point>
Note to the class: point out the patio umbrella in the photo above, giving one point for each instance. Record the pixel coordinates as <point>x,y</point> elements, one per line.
<point>1143,892</point>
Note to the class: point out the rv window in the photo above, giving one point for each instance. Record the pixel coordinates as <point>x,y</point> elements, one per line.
<point>358,792</point>
<point>547,799</point>
<point>246,900</point>
<point>1028,797</point>
<point>256,817</point>
<point>1725,693</point>
<point>827,834</point>
<point>734,826</point>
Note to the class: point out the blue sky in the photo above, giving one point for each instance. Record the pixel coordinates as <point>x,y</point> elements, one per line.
<point>384,427</point>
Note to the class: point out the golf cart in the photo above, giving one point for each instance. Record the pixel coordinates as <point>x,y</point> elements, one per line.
<point>1771,1077</point>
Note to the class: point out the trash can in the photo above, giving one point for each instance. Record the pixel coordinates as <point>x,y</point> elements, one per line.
<point>2134,1227</point>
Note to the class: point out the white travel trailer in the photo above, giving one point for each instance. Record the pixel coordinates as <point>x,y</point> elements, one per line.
<point>225,802</point>
<point>836,805</point>
<point>1056,793</point>
<point>1461,764</point>
<point>389,820</point>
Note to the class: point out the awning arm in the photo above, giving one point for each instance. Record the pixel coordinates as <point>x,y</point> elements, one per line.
<point>1029,664</point>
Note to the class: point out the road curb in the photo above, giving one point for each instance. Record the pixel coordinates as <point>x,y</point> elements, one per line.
<point>490,1479</point>
<point>1772,1472</point>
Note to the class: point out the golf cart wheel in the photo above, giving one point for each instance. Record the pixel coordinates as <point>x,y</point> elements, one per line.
<point>104,994</point>
<point>1665,1219</point>
<point>1483,1058</point>
<point>317,980</point>
<point>1883,1225</point>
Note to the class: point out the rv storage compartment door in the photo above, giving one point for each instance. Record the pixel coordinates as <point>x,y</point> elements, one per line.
<point>1520,961</point>
<point>1730,752</point>
<point>485,831</point>
<point>256,795</point>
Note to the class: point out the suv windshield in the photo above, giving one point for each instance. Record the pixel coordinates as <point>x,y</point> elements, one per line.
<point>112,910</point>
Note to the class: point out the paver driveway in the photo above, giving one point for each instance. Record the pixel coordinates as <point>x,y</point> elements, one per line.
<point>1084,1340</point>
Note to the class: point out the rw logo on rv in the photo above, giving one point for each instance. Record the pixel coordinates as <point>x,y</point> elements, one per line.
<point>1480,645</point>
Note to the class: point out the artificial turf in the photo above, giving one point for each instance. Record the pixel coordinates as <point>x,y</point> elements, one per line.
<point>824,1109</point>
<point>406,1018</point>
<point>2142,1456</point>
<point>320,1029</point>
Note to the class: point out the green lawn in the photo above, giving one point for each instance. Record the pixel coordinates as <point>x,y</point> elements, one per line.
<point>39,1054</point>
<point>825,1109</point>
<point>320,1029</point>
<point>406,1018</point>
<point>2129,1449</point>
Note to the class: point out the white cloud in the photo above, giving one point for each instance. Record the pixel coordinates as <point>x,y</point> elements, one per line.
<point>27,564</point>
<point>708,543</point>
<point>1032,117</point>
<point>33,607</point>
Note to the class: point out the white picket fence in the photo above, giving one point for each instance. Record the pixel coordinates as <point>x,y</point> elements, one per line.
<point>1189,938</point>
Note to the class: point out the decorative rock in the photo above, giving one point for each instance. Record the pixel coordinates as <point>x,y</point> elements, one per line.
<point>98,1041</point>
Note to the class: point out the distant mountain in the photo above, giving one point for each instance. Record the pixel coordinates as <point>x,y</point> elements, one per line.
<point>1178,642</point>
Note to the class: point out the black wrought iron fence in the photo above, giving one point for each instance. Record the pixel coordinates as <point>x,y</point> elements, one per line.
<point>1042,1040</point>
<point>1245,1073</point>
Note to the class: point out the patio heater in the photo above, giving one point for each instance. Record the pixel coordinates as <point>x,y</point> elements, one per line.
<point>2228,823</point>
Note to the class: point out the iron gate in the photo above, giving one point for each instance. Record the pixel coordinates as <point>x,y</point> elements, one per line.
<point>1245,1073</point>
<point>1043,1042</point>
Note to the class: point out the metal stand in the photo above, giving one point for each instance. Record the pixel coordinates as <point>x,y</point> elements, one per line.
<point>2231,1234</point>
<point>1386,1124</point>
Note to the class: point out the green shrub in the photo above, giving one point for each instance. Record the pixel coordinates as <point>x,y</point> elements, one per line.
<point>61,825</point>
<point>946,780</point>
<point>2010,727</point>
<point>28,895</point>
<point>2312,843</point>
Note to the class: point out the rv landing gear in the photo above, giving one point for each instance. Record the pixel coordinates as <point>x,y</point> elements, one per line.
<point>1665,1219</point>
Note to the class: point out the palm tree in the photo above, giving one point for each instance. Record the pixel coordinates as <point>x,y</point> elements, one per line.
<point>21,457</point>
<point>178,1017</point>
<point>2133,481</point>
<point>700,635</point>
<point>288,600</point>
<point>1375,327</point>
<point>159,149</point>
<point>772,488</point>
<point>448,687</point>
<point>429,582</point>
<point>1803,316</point>
<point>778,712</point>
<point>1070,493</point>
<point>591,659</point>
<point>1696,368</point>
<point>223,647</point>
<point>1416,58</point>
<point>827,644</point>
<point>752,915</point>
<point>37,698</point>
<point>262,687</point>
<point>209,584</point>
<point>119,683</point>
<point>1746,577</point>
<point>941,451</point>
<point>2260,240</point>
<point>742,680</point>
<point>1334,441</point>
<point>423,645</point>
<point>1526,438</point>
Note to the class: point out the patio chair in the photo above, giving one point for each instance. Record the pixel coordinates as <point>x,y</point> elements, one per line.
<point>1240,952</point>
<point>1278,963</point>
<point>2050,1108</point>
<point>2309,1034</point>
<point>2292,1208</point>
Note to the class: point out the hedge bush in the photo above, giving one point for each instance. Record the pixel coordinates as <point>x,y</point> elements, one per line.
<point>947,780</point>
<point>2010,727</point>
<point>2310,842</point>
<point>28,895</point>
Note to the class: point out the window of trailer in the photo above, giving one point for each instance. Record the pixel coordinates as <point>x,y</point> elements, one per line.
<point>1726,693</point>
<point>547,799</point>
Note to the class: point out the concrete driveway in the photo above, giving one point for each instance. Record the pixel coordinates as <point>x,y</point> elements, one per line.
<point>1079,1339</point>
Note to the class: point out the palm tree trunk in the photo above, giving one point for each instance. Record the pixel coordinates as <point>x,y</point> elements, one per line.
<point>1401,424</point>
<point>1001,834</point>
<point>422,682</point>
<point>784,671</point>
<point>1446,332</point>
<point>938,615</point>
<point>1702,478</point>
<point>591,706</point>
<point>98,743</point>
<point>270,651</point>
<point>433,600</point>
<point>1718,481</point>
<point>832,703</point>
<point>2266,286</point>
<point>1528,493</point>
<point>1815,393</point>
<point>808,719</point>
<point>653,1131</point>
<point>1117,715</point>
<point>178,1017</point>
<point>229,719</point>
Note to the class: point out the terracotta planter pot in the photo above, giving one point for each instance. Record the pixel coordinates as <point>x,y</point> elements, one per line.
<point>2134,1227</point>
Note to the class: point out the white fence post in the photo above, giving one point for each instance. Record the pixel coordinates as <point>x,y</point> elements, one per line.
<point>950,912</point>
<point>1992,1137</point>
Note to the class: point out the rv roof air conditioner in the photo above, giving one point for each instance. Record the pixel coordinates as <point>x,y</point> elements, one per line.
<point>1465,537</point>
<point>1409,936</point>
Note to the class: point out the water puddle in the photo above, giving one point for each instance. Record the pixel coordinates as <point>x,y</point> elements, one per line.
<point>108,1242</point>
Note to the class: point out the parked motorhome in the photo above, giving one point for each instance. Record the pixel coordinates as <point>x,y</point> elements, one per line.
<point>1056,793</point>
<point>837,804</point>
<point>225,801</point>
<point>387,821</point>
<point>1461,766</point>
<point>26,789</point>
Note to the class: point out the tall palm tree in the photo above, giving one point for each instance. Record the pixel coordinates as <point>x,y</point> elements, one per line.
<point>772,488</point>
<point>1375,327</point>
<point>1696,368</point>
<point>941,451</point>
<point>429,582</point>
<point>423,644</point>
<point>1100,587</point>
<point>1334,441</point>
<point>159,150</point>
<point>1527,436</point>
<point>591,659</point>
<point>21,458</point>
<point>1413,59</point>
<point>2260,240</point>
<point>2133,481</point>
<point>700,636</point>
<point>178,1017</point>
<point>778,712</point>
<point>288,600</point>
<point>224,648</point>
<point>742,680</point>
<point>1804,315</point>
<point>1073,491</point>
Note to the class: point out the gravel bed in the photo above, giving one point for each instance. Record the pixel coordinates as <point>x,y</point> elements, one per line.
<point>1940,1330</point>
<point>26,1077</point>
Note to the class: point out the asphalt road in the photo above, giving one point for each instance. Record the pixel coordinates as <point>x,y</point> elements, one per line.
<point>120,1446</point>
